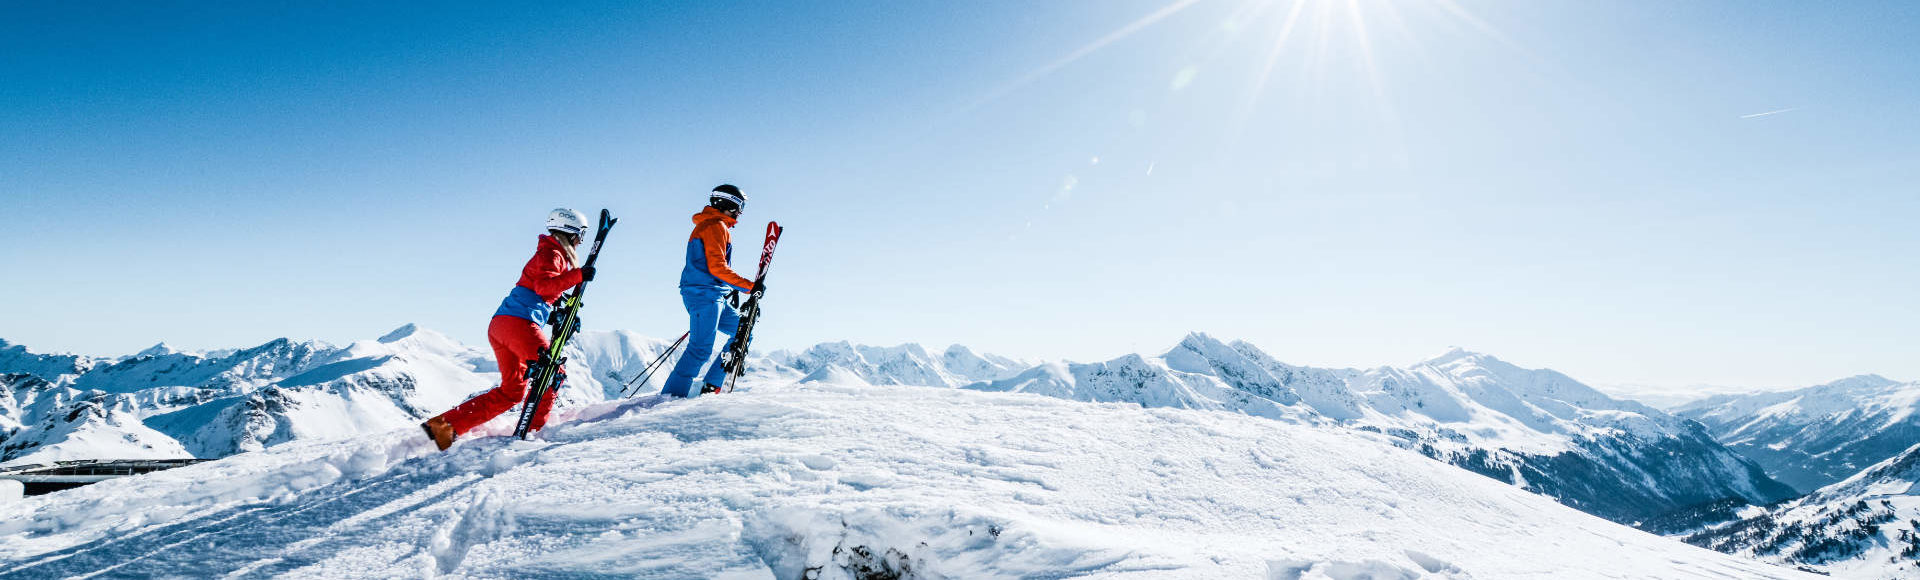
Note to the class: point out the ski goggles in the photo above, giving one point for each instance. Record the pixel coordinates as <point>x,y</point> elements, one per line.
<point>739,201</point>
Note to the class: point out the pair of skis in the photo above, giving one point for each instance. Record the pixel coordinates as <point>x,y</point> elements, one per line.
<point>734,358</point>
<point>544,374</point>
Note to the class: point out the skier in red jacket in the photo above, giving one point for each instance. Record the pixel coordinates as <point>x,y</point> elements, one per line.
<point>515,331</point>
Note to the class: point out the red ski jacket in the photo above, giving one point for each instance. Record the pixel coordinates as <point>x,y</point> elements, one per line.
<point>544,278</point>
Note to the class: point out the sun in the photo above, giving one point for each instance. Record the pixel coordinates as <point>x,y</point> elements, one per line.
<point>1310,33</point>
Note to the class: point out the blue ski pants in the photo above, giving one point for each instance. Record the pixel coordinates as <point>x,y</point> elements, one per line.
<point>709,314</point>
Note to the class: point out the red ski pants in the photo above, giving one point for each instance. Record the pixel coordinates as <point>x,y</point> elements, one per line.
<point>515,341</point>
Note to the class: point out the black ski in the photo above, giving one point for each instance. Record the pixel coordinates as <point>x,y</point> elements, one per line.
<point>544,374</point>
<point>736,357</point>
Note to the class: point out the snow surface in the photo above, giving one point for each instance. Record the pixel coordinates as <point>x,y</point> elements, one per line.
<point>784,478</point>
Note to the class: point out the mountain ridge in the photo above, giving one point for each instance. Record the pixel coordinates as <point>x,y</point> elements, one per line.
<point>1815,436</point>
<point>1534,428</point>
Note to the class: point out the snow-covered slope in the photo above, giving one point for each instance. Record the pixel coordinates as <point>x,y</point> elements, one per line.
<point>1537,429</point>
<point>16,359</point>
<point>1865,527</point>
<point>830,482</point>
<point>1812,437</point>
<point>55,423</point>
<point>163,403</point>
<point>166,404</point>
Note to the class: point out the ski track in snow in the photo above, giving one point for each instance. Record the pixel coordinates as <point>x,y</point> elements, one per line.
<point>821,481</point>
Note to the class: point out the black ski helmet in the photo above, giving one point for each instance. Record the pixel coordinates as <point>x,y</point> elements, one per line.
<point>727,198</point>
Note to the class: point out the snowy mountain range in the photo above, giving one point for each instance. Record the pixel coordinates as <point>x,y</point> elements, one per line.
<point>1813,437</point>
<point>162,403</point>
<point>1669,397</point>
<point>827,481</point>
<point>1866,526</point>
<point>1536,429</point>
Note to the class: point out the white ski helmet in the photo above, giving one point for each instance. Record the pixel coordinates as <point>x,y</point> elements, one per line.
<point>567,220</point>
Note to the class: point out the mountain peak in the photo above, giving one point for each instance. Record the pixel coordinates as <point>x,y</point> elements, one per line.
<point>1868,381</point>
<point>401,333</point>
<point>412,336</point>
<point>1202,342</point>
<point>1454,354</point>
<point>159,349</point>
<point>1198,337</point>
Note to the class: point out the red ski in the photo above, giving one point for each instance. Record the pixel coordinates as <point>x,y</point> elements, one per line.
<point>736,357</point>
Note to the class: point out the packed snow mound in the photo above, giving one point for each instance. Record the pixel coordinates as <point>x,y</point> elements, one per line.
<point>1866,527</point>
<point>840,482</point>
<point>1820,435</point>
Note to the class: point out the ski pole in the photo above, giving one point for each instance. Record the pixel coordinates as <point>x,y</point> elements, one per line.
<point>647,372</point>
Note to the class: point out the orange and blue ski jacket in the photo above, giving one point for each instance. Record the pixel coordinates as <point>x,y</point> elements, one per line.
<point>709,250</point>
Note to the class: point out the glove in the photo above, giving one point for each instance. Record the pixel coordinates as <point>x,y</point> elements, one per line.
<point>586,274</point>
<point>760,287</point>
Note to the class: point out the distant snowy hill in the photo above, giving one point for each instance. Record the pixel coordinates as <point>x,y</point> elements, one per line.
<point>1537,429</point>
<point>909,364</point>
<point>1667,398</point>
<point>16,359</point>
<point>787,480</point>
<point>1865,527</point>
<point>1812,437</point>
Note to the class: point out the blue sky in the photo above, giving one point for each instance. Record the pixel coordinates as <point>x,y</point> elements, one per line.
<point>1593,187</point>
